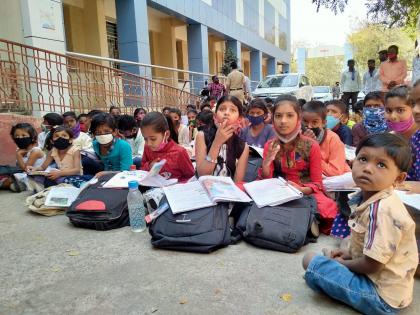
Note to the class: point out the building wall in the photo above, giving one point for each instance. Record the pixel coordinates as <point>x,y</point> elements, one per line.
<point>259,24</point>
<point>11,21</point>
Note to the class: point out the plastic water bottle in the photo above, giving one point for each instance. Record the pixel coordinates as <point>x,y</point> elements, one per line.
<point>136,209</point>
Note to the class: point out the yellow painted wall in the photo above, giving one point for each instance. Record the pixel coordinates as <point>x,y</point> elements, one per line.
<point>11,27</point>
<point>85,25</point>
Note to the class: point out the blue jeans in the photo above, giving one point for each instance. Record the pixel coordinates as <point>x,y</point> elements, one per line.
<point>337,281</point>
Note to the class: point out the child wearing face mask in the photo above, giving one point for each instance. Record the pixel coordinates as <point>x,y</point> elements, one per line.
<point>181,130</point>
<point>64,154</point>
<point>335,111</point>
<point>399,112</point>
<point>114,153</point>
<point>28,154</point>
<point>128,130</point>
<point>297,158</point>
<point>81,140</point>
<point>258,132</point>
<point>333,157</point>
<point>373,120</point>
<point>160,143</point>
<point>192,123</point>
<point>50,120</point>
<point>218,148</point>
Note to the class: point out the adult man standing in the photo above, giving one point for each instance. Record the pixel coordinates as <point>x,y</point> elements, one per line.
<point>350,84</point>
<point>235,84</point>
<point>371,81</point>
<point>217,89</point>
<point>336,91</point>
<point>393,71</point>
<point>383,55</point>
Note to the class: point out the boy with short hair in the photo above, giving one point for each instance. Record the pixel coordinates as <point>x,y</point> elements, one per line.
<point>376,274</point>
<point>335,111</point>
<point>333,158</point>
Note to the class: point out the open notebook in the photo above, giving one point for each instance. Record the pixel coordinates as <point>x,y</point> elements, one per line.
<point>271,192</point>
<point>205,192</point>
<point>149,179</point>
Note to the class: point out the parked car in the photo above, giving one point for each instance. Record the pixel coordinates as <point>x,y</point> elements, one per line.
<point>290,83</point>
<point>322,93</point>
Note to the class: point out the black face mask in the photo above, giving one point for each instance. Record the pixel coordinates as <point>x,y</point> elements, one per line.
<point>61,143</point>
<point>23,143</point>
<point>316,131</point>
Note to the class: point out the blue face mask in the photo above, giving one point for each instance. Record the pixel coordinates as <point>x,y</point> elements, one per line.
<point>374,120</point>
<point>256,120</point>
<point>332,121</point>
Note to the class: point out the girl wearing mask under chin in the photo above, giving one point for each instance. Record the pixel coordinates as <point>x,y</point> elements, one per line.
<point>258,132</point>
<point>399,112</point>
<point>297,158</point>
<point>161,144</point>
<point>218,148</point>
<point>115,154</point>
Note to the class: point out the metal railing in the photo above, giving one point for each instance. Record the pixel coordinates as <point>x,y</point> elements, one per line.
<point>35,81</point>
<point>192,81</point>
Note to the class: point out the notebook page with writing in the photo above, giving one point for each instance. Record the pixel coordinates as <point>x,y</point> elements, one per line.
<point>271,192</point>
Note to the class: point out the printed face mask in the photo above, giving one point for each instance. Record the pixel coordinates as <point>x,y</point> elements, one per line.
<point>374,120</point>
<point>61,143</point>
<point>23,143</point>
<point>401,126</point>
<point>256,120</point>
<point>104,139</point>
<point>332,121</point>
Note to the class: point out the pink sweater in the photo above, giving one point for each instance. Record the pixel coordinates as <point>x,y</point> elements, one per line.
<point>392,71</point>
<point>333,155</point>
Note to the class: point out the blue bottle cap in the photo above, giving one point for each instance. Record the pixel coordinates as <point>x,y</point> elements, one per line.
<point>133,184</point>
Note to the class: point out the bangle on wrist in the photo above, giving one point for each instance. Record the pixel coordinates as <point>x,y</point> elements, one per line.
<point>209,159</point>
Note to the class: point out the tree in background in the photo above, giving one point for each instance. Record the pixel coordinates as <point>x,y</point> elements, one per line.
<point>402,13</point>
<point>368,39</point>
<point>228,58</point>
<point>324,70</point>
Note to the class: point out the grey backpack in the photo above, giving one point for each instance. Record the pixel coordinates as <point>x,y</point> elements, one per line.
<point>203,230</point>
<point>285,228</point>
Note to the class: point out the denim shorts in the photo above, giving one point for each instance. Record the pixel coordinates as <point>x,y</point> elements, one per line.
<point>337,281</point>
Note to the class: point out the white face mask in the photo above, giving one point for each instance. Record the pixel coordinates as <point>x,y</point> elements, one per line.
<point>105,139</point>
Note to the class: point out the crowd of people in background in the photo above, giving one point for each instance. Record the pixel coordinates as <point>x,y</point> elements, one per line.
<point>303,142</point>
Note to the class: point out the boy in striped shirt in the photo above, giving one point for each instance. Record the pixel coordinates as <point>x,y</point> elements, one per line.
<point>376,274</point>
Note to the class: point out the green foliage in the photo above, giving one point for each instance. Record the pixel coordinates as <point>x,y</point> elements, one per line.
<point>402,13</point>
<point>324,70</point>
<point>228,58</point>
<point>369,39</point>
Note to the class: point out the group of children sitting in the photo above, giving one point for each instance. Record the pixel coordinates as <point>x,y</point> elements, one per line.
<point>303,143</point>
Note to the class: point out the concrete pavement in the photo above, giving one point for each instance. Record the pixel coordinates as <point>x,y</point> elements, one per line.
<point>50,267</point>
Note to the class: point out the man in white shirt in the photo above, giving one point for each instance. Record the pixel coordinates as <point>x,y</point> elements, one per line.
<point>416,64</point>
<point>371,81</point>
<point>350,84</point>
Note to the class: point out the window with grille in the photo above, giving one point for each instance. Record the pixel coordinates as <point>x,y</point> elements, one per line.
<point>112,38</point>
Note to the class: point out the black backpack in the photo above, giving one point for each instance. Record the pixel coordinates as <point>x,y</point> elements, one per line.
<point>285,228</point>
<point>100,208</point>
<point>203,230</point>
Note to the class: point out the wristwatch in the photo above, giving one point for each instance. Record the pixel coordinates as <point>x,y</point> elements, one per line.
<point>208,159</point>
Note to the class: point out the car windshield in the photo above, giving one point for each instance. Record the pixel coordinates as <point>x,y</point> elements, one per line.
<point>281,81</point>
<point>321,89</point>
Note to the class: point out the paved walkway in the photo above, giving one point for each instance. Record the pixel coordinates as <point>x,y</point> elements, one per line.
<point>49,267</point>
